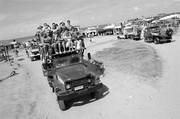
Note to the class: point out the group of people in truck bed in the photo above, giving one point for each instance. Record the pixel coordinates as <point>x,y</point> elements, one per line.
<point>57,39</point>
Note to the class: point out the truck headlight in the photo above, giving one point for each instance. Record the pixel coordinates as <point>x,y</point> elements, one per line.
<point>68,86</point>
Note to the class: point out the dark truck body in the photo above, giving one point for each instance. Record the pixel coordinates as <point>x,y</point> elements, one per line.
<point>71,76</point>
<point>157,34</point>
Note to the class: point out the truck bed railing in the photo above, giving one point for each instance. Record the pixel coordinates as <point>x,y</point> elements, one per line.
<point>66,53</point>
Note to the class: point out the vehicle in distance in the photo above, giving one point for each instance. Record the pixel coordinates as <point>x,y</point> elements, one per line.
<point>158,35</point>
<point>34,54</point>
<point>132,32</point>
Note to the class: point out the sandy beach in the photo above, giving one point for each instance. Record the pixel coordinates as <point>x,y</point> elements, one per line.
<point>143,82</point>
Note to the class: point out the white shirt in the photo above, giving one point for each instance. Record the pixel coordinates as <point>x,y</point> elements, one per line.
<point>78,45</point>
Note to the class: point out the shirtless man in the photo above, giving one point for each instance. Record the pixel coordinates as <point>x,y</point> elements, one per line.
<point>69,26</point>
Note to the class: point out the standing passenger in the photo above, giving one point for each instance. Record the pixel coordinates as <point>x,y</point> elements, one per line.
<point>69,26</point>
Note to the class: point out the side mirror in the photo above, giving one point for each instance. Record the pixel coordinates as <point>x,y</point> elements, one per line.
<point>89,56</point>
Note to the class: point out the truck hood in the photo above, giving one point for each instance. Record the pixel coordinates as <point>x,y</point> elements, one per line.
<point>73,72</point>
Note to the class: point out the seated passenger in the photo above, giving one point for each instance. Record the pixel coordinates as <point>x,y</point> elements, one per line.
<point>47,30</point>
<point>61,45</point>
<point>68,42</point>
<point>39,33</point>
<point>63,28</point>
<point>46,42</point>
<point>55,47</point>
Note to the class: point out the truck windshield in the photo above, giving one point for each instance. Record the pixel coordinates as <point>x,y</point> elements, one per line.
<point>64,61</point>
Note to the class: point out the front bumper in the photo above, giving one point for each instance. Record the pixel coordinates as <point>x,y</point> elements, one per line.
<point>75,94</point>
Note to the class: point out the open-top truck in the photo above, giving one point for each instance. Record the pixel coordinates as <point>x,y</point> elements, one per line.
<point>72,76</point>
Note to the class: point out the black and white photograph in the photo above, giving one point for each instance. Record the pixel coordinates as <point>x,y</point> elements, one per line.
<point>89,59</point>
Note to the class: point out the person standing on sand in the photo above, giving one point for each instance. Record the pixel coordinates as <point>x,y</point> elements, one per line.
<point>142,35</point>
<point>90,37</point>
<point>27,53</point>
<point>16,52</point>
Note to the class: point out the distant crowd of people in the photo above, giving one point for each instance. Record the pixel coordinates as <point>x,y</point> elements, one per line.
<point>59,38</point>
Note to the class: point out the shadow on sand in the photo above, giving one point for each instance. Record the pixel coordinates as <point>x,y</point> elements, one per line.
<point>21,59</point>
<point>13,73</point>
<point>167,42</point>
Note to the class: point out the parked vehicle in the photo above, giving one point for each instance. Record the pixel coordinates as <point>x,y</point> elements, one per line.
<point>120,37</point>
<point>72,76</point>
<point>157,34</point>
<point>34,54</point>
<point>132,32</point>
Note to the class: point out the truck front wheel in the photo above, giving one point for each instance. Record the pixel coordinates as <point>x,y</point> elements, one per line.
<point>126,37</point>
<point>62,105</point>
<point>156,40</point>
<point>96,95</point>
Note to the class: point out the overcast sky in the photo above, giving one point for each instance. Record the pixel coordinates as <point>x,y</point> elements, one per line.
<point>20,17</point>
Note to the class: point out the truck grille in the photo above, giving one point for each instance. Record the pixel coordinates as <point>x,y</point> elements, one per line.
<point>84,82</point>
<point>79,82</point>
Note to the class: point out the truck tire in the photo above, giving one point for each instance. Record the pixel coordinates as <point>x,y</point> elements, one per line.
<point>50,84</point>
<point>156,40</point>
<point>132,37</point>
<point>149,40</point>
<point>96,95</point>
<point>62,105</point>
<point>126,37</point>
<point>169,40</point>
<point>53,90</point>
